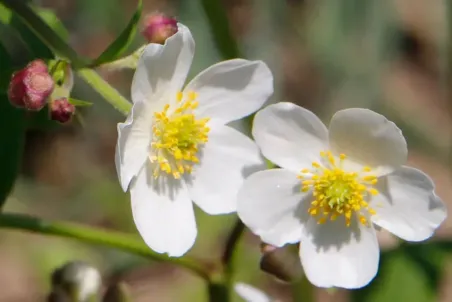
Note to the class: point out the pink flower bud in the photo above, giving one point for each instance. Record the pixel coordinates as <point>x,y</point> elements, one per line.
<point>158,28</point>
<point>30,87</point>
<point>61,110</point>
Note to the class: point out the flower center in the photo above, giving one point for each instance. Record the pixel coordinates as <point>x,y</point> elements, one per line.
<point>177,137</point>
<point>337,192</point>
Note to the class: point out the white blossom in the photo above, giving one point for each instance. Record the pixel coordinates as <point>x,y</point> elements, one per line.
<point>332,187</point>
<point>175,146</point>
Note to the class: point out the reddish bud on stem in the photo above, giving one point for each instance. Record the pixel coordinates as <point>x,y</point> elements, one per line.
<point>61,110</point>
<point>158,27</point>
<point>30,87</point>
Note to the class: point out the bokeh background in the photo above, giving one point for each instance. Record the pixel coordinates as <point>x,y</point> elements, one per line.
<point>392,56</point>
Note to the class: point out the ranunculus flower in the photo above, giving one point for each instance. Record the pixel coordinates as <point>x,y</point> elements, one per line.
<point>332,188</point>
<point>175,146</point>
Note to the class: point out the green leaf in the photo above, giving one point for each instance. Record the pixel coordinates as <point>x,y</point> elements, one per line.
<point>123,41</point>
<point>6,70</point>
<point>34,45</point>
<point>219,25</point>
<point>12,135</point>
<point>79,103</point>
<point>52,20</point>
<point>44,32</point>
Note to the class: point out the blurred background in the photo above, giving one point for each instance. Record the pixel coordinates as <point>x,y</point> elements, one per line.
<point>392,56</point>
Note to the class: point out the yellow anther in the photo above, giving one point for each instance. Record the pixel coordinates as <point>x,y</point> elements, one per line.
<point>363,220</point>
<point>316,165</point>
<point>322,220</point>
<point>179,96</point>
<point>367,169</point>
<point>176,137</point>
<point>369,178</point>
<point>373,191</point>
<point>337,192</point>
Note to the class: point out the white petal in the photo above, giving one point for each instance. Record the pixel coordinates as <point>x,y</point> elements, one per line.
<point>250,293</point>
<point>289,135</point>
<point>368,139</point>
<point>134,137</point>
<point>162,69</point>
<point>334,255</point>
<point>163,213</point>
<point>407,205</point>
<point>227,158</point>
<point>271,204</point>
<point>232,89</point>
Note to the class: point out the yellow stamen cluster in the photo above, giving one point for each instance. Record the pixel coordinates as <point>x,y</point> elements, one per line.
<point>177,137</point>
<point>337,192</point>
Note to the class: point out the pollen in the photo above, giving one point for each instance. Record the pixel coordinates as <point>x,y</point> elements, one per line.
<point>177,136</point>
<point>337,192</point>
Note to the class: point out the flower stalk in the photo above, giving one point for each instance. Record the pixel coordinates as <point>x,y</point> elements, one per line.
<point>94,235</point>
<point>110,94</point>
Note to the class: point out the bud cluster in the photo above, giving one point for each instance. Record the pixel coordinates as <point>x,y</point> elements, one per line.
<point>33,87</point>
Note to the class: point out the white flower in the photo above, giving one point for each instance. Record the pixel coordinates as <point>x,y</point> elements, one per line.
<point>175,146</point>
<point>250,293</point>
<point>333,185</point>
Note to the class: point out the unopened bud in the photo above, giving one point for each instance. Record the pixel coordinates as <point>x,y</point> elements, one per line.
<point>61,110</point>
<point>158,27</point>
<point>30,87</point>
<point>77,280</point>
<point>281,262</point>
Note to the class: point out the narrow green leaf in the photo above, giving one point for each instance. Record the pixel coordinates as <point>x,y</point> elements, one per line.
<point>35,46</point>
<point>12,134</point>
<point>44,32</point>
<point>52,20</point>
<point>79,103</point>
<point>6,70</point>
<point>123,41</point>
<point>219,25</point>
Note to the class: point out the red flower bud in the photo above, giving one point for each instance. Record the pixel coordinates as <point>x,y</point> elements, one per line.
<point>61,110</point>
<point>158,28</point>
<point>30,87</point>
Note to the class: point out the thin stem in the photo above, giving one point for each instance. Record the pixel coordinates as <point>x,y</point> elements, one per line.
<point>94,235</point>
<point>110,94</point>
<point>231,244</point>
<point>218,292</point>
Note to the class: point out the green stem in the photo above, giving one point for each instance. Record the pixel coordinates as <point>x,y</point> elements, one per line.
<point>109,93</point>
<point>230,248</point>
<point>218,291</point>
<point>108,238</point>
